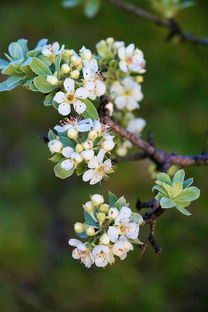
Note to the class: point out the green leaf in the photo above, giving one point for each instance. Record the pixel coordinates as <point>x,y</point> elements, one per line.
<point>179,176</point>
<point>3,64</point>
<point>67,142</point>
<point>23,43</point>
<point>13,68</point>
<point>91,111</point>
<point>11,83</point>
<point>61,173</point>
<point>167,203</point>
<point>121,202</point>
<point>112,199</point>
<point>183,211</point>
<point>16,51</point>
<point>56,158</point>
<point>189,194</point>
<point>49,99</point>
<point>177,188</point>
<point>51,135</point>
<point>136,218</point>
<point>57,64</point>
<point>187,183</point>
<point>39,67</point>
<point>164,177</point>
<point>92,7</point>
<point>42,85</point>
<point>81,168</point>
<point>70,3</point>
<point>88,218</point>
<point>159,189</point>
<point>41,43</point>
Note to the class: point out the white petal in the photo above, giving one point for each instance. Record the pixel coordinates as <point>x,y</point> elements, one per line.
<point>101,155</point>
<point>120,102</point>
<point>59,97</point>
<point>123,66</point>
<point>74,242</point>
<point>93,163</point>
<point>95,179</point>
<point>67,164</point>
<point>100,88</point>
<point>113,233</point>
<point>121,53</point>
<point>64,109</point>
<point>79,107</point>
<point>83,128</point>
<point>81,93</point>
<point>130,49</point>
<point>69,85</point>
<point>88,175</point>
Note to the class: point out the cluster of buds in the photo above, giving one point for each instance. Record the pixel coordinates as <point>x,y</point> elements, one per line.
<point>84,146</point>
<point>111,229</point>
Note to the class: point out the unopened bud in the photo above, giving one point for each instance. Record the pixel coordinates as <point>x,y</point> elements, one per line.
<point>104,207</point>
<point>110,41</point>
<point>65,68</point>
<point>79,148</point>
<point>90,231</point>
<point>113,213</point>
<point>79,227</point>
<point>101,217</point>
<point>74,74</point>
<point>72,133</point>
<point>52,80</point>
<point>88,144</point>
<point>76,60</point>
<point>88,206</point>
<point>97,199</point>
<point>104,239</point>
<point>92,135</point>
<point>139,79</point>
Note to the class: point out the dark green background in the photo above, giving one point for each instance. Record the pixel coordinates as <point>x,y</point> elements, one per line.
<point>37,210</point>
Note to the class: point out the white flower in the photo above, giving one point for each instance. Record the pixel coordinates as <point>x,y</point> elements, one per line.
<point>98,169</point>
<point>104,239</point>
<point>127,94</point>
<point>121,247</point>
<point>124,215</point>
<point>102,255</point>
<point>108,144</point>
<point>113,213</point>
<point>131,59</point>
<point>97,199</point>
<point>66,152</point>
<point>67,164</point>
<point>51,49</point>
<point>93,84</point>
<point>55,146</point>
<point>87,154</point>
<point>81,252</point>
<point>136,125</point>
<point>130,230</point>
<point>71,97</point>
<point>113,233</point>
<point>76,157</point>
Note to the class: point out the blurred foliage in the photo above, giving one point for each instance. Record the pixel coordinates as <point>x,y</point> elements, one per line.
<point>38,210</point>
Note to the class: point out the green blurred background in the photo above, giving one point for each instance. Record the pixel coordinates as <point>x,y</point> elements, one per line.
<point>37,210</point>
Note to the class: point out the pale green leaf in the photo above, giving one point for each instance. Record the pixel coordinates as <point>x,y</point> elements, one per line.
<point>183,211</point>
<point>91,111</point>
<point>164,177</point>
<point>167,203</point>
<point>61,173</point>
<point>112,198</point>
<point>92,7</point>
<point>42,85</point>
<point>39,67</point>
<point>189,194</point>
<point>179,176</point>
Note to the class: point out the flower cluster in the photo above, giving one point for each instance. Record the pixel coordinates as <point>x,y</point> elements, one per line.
<point>111,229</point>
<point>123,81</point>
<point>82,145</point>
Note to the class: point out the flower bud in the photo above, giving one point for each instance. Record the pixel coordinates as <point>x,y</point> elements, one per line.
<point>76,60</point>
<point>74,74</point>
<point>77,157</point>
<point>79,227</point>
<point>79,67</point>
<point>92,135</point>
<point>90,231</point>
<point>104,207</point>
<point>72,133</point>
<point>55,146</point>
<point>104,239</point>
<point>101,217</point>
<point>68,53</point>
<point>97,199</point>
<point>65,68</point>
<point>121,151</point>
<point>66,152</point>
<point>139,79</point>
<point>113,213</point>
<point>79,148</point>
<point>52,80</point>
<point>87,154</point>
<point>108,145</point>
<point>110,41</point>
<point>88,206</point>
<point>87,145</point>
<point>67,164</point>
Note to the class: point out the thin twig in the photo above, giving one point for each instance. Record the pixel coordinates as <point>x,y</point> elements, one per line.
<point>170,24</point>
